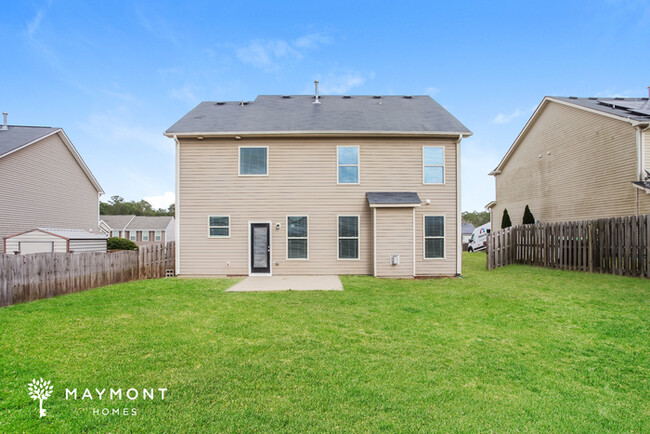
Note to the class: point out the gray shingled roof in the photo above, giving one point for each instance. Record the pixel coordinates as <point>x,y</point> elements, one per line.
<point>16,136</point>
<point>297,113</point>
<point>467,228</point>
<point>393,198</point>
<point>149,222</point>
<point>117,222</point>
<point>637,109</point>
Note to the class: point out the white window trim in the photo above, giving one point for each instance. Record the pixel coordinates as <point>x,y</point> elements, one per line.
<point>424,237</point>
<point>358,165</point>
<point>296,238</point>
<point>157,235</point>
<point>358,237</point>
<point>135,234</point>
<point>229,224</point>
<point>239,148</point>
<point>145,232</point>
<point>444,170</point>
<point>113,234</point>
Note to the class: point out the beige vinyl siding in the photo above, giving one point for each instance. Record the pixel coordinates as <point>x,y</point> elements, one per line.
<point>13,243</point>
<point>79,246</point>
<point>585,171</point>
<point>302,181</point>
<point>395,236</point>
<point>44,186</point>
<point>646,153</point>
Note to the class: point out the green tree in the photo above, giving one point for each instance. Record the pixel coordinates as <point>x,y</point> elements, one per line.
<point>116,243</point>
<point>118,206</point>
<point>528,217</point>
<point>505,220</point>
<point>477,218</point>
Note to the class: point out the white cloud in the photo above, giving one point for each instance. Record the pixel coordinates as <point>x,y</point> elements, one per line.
<point>35,23</point>
<point>161,201</point>
<point>506,118</point>
<point>267,53</point>
<point>432,91</point>
<point>340,83</point>
<point>185,93</point>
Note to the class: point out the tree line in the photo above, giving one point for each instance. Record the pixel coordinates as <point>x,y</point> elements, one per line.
<point>118,206</point>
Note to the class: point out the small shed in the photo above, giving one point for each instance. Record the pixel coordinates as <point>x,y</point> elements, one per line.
<point>43,240</point>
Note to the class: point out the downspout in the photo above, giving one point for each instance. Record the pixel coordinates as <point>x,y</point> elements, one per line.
<point>459,232</point>
<point>177,198</point>
<point>640,156</point>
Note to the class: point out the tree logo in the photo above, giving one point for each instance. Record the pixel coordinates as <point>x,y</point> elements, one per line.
<point>41,390</point>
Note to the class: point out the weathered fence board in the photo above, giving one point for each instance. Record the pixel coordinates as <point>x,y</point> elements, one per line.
<point>44,275</point>
<point>618,245</point>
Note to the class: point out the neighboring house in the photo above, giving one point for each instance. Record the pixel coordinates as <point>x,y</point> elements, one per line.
<point>45,182</point>
<point>55,240</point>
<point>319,185</point>
<point>577,159</point>
<point>141,230</point>
<point>467,230</point>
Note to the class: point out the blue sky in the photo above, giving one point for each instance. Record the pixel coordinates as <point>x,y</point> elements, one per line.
<point>115,75</point>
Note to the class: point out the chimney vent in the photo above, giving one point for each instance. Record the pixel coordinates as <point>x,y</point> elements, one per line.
<point>316,101</point>
<point>4,125</point>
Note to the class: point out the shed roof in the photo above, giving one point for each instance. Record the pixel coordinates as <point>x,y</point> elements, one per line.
<point>74,234</point>
<point>378,199</point>
<point>297,114</point>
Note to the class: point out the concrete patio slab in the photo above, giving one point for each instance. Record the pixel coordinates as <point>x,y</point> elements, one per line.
<point>288,283</point>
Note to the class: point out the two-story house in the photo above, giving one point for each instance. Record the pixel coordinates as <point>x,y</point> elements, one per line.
<point>45,184</point>
<point>310,185</point>
<point>142,230</point>
<point>577,159</point>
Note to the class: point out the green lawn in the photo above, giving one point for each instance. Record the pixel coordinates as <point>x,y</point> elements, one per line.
<point>515,349</point>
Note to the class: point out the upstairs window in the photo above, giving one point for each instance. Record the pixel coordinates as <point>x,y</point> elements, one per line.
<point>219,226</point>
<point>434,237</point>
<point>145,235</point>
<point>297,237</point>
<point>115,233</point>
<point>433,164</point>
<point>253,161</point>
<point>157,236</point>
<point>348,164</point>
<point>133,235</point>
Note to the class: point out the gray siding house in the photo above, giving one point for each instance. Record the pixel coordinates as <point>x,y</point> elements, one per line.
<point>299,184</point>
<point>45,182</point>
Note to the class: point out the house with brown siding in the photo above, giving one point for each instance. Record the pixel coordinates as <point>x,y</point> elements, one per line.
<point>45,182</point>
<point>577,159</point>
<point>313,185</point>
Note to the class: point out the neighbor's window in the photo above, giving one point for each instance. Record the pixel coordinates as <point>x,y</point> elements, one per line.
<point>115,233</point>
<point>434,164</point>
<point>297,234</point>
<point>219,226</point>
<point>253,161</point>
<point>348,235</point>
<point>157,236</point>
<point>133,235</point>
<point>434,237</point>
<point>145,235</point>
<point>348,163</point>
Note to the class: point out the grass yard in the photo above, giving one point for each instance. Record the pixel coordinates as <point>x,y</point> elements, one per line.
<point>515,349</point>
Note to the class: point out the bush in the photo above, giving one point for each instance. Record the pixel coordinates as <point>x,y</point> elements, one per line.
<point>528,217</point>
<point>116,243</point>
<point>505,220</point>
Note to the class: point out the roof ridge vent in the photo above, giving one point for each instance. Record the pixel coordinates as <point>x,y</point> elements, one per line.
<point>243,103</point>
<point>573,97</point>
<point>346,97</point>
<point>220,102</point>
<point>377,96</point>
<point>286,96</point>
<point>407,97</point>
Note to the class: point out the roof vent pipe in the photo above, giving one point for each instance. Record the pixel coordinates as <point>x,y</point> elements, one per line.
<point>648,91</point>
<point>316,101</point>
<point>4,125</point>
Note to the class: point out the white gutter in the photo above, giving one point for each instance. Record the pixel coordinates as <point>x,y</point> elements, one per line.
<point>315,133</point>
<point>459,234</point>
<point>177,207</point>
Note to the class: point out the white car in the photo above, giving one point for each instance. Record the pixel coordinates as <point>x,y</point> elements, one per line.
<point>478,240</point>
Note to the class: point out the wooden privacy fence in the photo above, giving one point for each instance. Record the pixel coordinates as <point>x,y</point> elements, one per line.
<point>42,275</point>
<point>616,246</point>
